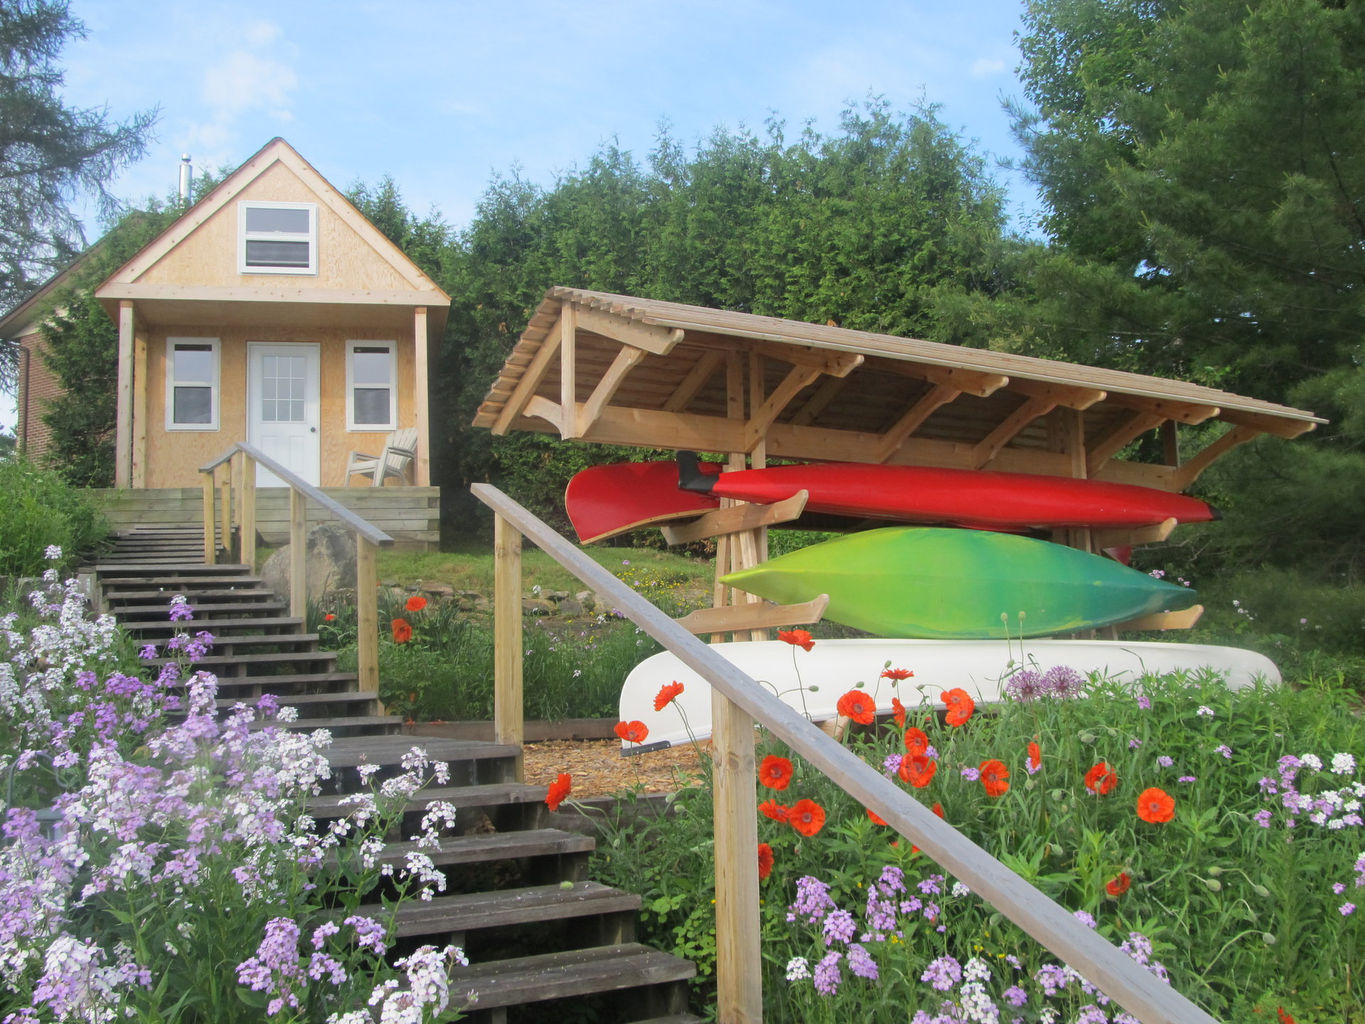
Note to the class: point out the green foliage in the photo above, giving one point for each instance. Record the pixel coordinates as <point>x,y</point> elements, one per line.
<point>81,349</point>
<point>38,510</point>
<point>891,224</point>
<point>51,152</point>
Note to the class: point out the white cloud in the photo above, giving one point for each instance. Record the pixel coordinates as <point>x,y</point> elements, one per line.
<point>985,67</point>
<point>243,82</point>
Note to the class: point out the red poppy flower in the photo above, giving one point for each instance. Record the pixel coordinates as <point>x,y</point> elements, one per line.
<point>916,742</point>
<point>897,675</point>
<point>937,809</point>
<point>858,706</point>
<point>807,817</point>
<point>328,617</point>
<point>898,712</point>
<point>402,631</point>
<point>917,769</point>
<point>876,818</point>
<point>775,772</point>
<point>1155,805</point>
<point>774,810</point>
<point>666,694</point>
<point>765,860</point>
<point>796,637</point>
<point>416,603</point>
<point>1119,884</point>
<point>559,789</point>
<point>1035,757</point>
<point>1100,779</point>
<point>995,777</point>
<point>1284,1017</point>
<point>960,706</point>
<point>632,732</point>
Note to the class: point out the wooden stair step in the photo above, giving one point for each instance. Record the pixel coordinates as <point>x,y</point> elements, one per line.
<point>187,571</point>
<point>672,1018</point>
<point>342,726</point>
<point>330,805</point>
<point>233,642</point>
<point>578,972</point>
<point>285,683</point>
<point>391,750</point>
<point>142,593</point>
<point>505,908</point>
<point>221,626</point>
<point>131,613</point>
<point>304,701</point>
<point>495,846</point>
<point>212,661</point>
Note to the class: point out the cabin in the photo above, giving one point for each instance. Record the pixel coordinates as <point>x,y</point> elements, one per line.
<point>272,313</point>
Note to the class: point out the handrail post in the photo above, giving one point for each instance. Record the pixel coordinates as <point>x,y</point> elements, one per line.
<point>210,549</point>
<point>298,555</point>
<point>739,984</point>
<point>507,639</point>
<point>248,500</point>
<point>225,501</point>
<point>367,615</point>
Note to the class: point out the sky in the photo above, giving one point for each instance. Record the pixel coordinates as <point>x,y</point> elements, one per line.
<point>444,96</point>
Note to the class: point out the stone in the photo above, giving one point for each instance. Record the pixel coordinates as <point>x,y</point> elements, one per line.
<point>330,563</point>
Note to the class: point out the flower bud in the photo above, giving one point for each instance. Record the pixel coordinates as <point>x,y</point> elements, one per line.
<point>1267,938</point>
<point>1212,884</point>
<point>1260,890</point>
<point>1086,736</point>
<point>1215,870</point>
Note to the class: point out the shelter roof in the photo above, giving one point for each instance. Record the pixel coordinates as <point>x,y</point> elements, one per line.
<point>624,370</point>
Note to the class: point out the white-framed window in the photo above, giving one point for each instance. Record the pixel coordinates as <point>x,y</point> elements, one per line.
<point>371,385</point>
<point>277,238</point>
<point>192,384</point>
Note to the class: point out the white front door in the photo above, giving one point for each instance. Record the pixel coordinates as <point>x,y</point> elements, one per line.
<point>282,401</point>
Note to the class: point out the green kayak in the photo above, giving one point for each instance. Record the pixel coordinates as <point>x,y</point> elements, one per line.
<point>960,584</point>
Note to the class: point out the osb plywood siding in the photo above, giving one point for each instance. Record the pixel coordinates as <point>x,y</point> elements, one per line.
<point>38,385</point>
<point>207,257</point>
<point>174,457</point>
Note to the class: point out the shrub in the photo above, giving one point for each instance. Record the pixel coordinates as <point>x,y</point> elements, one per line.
<point>38,511</point>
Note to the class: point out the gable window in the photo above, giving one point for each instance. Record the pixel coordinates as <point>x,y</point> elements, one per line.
<point>277,238</point>
<point>371,385</point>
<point>191,383</point>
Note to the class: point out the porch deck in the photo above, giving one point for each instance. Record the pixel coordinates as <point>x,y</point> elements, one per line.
<point>411,515</point>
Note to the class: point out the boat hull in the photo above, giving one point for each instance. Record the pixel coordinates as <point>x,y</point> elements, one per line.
<point>981,667</point>
<point>606,500</point>
<point>936,583</point>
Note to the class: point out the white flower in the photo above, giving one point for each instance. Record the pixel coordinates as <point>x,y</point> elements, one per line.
<point>798,968</point>
<point>1312,761</point>
<point>1343,764</point>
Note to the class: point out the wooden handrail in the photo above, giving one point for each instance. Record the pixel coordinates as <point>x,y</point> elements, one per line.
<point>368,538</point>
<point>1052,925</point>
<point>367,530</point>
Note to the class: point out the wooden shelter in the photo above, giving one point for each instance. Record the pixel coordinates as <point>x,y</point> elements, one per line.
<point>616,369</point>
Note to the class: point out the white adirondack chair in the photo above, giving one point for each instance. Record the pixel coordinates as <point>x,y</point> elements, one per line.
<point>400,452</point>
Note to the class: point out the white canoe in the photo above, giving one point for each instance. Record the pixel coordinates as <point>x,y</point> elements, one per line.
<point>813,681</point>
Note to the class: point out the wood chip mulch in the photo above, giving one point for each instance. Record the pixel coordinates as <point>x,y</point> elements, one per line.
<point>599,769</point>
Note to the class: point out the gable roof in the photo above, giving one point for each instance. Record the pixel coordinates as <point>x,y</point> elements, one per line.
<point>161,301</point>
<point>663,374</point>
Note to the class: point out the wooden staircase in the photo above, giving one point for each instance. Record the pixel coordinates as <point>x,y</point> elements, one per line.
<point>543,941</point>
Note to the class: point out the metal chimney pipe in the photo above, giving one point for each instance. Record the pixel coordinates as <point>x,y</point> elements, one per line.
<point>186,179</point>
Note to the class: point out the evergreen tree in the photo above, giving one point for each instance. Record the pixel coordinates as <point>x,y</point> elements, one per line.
<point>50,153</point>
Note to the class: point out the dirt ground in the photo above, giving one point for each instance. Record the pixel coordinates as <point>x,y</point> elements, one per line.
<point>599,769</point>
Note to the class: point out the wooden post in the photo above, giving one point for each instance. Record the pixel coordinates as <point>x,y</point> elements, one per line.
<point>507,638</point>
<point>248,503</point>
<point>225,500</point>
<point>739,987</point>
<point>139,414</point>
<point>210,549</point>
<point>421,470</point>
<point>298,555</point>
<point>123,429</point>
<point>367,615</point>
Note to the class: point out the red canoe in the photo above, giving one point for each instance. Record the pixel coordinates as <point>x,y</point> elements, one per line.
<point>603,501</point>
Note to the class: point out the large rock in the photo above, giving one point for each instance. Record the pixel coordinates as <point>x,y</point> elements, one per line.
<point>330,562</point>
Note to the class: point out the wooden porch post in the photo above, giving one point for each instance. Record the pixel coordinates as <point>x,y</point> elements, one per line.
<point>367,615</point>
<point>421,472</point>
<point>507,639</point>
<point>123,430</point>
<point>739,986</point>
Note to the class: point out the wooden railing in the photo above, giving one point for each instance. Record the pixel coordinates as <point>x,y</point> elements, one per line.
<point>737,703</point>
<point>237,468</point>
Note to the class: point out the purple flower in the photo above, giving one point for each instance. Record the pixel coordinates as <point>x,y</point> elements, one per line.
<point>1347,909</point>
<point>1015,996</point>
<point>971,774</point>
<point>942,974</point>
<point>827,974</point>
<point>838,927</point>
<point>860,962</point>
